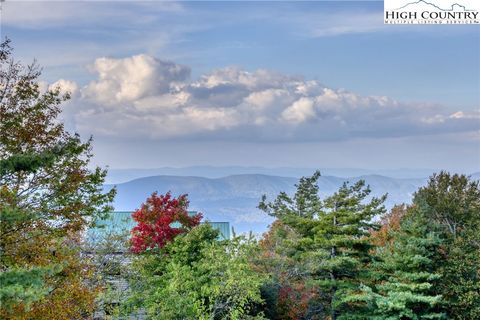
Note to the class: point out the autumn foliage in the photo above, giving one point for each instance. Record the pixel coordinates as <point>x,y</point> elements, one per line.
<point>160,219</point>
<point>49,194</point>
<point>287,293</point>
<point>390,223</point>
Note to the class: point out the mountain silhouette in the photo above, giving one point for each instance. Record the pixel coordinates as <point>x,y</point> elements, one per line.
<point>434,5</point>
<point>235,198</point>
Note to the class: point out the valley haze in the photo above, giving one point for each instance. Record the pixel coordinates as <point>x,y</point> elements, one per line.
<point>232,193</point>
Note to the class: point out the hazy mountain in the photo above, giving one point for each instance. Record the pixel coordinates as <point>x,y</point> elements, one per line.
<point>475,176</point>
<point>124,175</point>
<point>234,198</point>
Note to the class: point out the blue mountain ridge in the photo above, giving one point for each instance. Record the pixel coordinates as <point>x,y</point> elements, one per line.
<point>235,198</point>
<point>125,175</point>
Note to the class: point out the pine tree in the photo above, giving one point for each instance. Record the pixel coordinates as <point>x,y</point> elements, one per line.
<point>407,274</point>
<point>334,239</point>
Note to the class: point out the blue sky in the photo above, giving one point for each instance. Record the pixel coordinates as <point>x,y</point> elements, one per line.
<point>374,95</point>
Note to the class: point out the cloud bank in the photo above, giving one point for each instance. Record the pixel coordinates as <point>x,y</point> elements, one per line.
<point>145,97</point>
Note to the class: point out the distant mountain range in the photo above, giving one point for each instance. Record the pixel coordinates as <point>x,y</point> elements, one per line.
<point>234,198</point>
<point>124,175</point>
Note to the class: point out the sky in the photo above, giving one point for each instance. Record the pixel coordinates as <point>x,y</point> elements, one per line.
<point>298,84</point>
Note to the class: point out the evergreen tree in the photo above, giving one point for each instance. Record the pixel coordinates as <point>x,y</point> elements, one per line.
<point>406,272</point>
<point>450,205</point>
<point>335,242</point>
<point>47,196</point>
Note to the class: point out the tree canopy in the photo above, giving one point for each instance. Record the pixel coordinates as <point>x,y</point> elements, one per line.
<point>48,195</point>
<point>159,220</point>
<point>196,276</point>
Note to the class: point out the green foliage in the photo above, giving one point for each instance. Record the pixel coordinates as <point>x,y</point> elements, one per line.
<point>317,262</point>
<point>460,283</point>
<point>31,162</point>
<point>21,285</point>
<point>198,277</point>
<point>305,203</point>
<point>406,275</point>
<point>47,195</point>
<point>284,291</point>
<point>43,168</point>
<point>334,243</point>
<point>450,204</point>
<point>429,261</point>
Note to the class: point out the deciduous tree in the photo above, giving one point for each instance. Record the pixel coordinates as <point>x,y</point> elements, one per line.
<point>286,293</point>
<point>159,220</point>
<point>198,277</point>
<point>48,195</point>
<point>450,205</point>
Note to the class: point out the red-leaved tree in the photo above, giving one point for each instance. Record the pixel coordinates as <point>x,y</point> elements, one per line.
<point>160,219</point>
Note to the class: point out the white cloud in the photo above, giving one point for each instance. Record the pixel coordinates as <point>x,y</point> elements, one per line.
<point>300,111</point>
<point>347,23</point>
<point>142,96</point>
<point>466,115</point>
<point>65,86</point>
<point>133,78</point>
<point>46,14</point>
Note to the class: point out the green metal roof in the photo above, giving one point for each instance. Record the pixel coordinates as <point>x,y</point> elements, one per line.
<point>223,227</point>
<point>121,222</point>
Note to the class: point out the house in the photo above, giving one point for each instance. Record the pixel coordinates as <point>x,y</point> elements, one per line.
<point>107,245</point>
<point>121,222</point>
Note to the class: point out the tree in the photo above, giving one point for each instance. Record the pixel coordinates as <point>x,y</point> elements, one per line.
<point>407,274</point>
<point>334,241</point>
<point>47,196</point>
<point>390,224</point>
<point>160,219</point>
<point>197,277</point>
<point>285,292</point>
<point>429,254</point>
<point>450,205</point>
